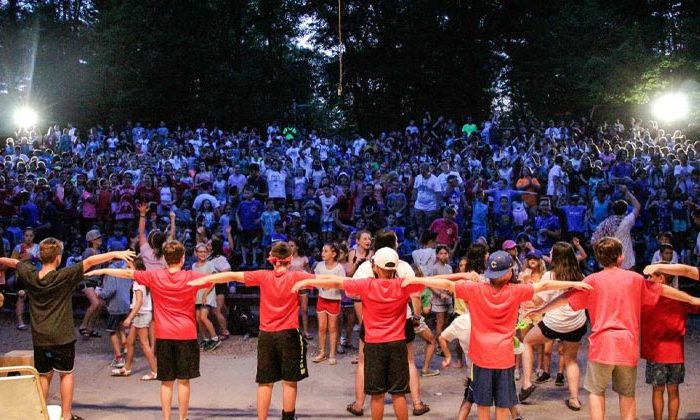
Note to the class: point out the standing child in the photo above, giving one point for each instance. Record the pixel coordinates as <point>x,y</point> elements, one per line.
<point>50,292</point>
<point>441,301</point>
<point>138,322</point>
<point>205,300</point>
<point>117,294</point>
<point>614,305</point>
<point>384,322</point>
<point>328,305</point>
<point>281,347</point>
<point>493,307</point>
<point>176,329</point>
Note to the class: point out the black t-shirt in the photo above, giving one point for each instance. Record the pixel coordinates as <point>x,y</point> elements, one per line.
<point>51,303</point>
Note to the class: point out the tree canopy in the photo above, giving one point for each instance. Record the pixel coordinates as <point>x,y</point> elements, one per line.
<point>237,62</point>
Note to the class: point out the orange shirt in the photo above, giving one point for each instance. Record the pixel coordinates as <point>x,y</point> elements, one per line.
<point>530,200</point>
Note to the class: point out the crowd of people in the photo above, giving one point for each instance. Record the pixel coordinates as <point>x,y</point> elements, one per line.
<point>540,198</point>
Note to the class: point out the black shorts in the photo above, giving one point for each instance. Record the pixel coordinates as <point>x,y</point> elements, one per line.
<point>409,331</point>
<point>281,357</point>
<point>59,358</point>
<point>386,368</point>
<point>114,323</point>
<point>177,359</point>
<point>572,336</point>
<point>248,236</point>
<point>221,289</point>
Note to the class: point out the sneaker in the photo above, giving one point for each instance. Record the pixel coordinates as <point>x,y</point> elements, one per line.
<point>430,373</point>
<point>560,380</point>
<point>211,345</point>
<point>544,377</point>
<point>22,327</point>
<point>203,344</point>
<point>117,363</point>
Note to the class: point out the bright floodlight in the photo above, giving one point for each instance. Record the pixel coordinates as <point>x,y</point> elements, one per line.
<point>671,107</point>
<point>25,117</point>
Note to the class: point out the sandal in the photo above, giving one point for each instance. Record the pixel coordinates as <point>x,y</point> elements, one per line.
<point>224,337</point>
<point>354,411</point>
<point>85,333</point>
<point>74,417</point>
<point>420,408</point>
<point>121,372</point>
<point>150,376</point>
<point>320,358</point>
<point>332,361</point>
<point>526,392</point>
<point>573,407</point>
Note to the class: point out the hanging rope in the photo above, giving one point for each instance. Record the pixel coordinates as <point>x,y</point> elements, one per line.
<point>342,47</point>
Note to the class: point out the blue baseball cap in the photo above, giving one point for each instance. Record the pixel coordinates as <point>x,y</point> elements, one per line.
<point>534,254</point>
<point>498,264</point>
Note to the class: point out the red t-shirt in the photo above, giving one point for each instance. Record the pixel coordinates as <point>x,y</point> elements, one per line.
<point>279,307</point>
<point>494,314</point>
<point>447,231</point>
<point>615,307</point>
<point>173,302</point>
<point>663,330</point>
<point>383,307</point>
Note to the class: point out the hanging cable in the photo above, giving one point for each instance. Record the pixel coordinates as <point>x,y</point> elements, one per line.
<point>342,47</point>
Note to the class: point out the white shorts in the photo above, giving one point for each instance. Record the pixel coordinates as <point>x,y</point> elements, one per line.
<point>142,320</point>
<point>459,329</point>
<point>210,299</point>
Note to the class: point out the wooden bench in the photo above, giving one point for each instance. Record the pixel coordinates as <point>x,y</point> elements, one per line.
<point>16,358</point>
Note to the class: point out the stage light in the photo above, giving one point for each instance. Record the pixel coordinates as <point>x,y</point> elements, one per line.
<point>670,107</point>
<point>25,117</point>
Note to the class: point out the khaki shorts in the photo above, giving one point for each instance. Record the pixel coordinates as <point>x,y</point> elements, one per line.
<point>599,376</point>
<point>142,320</point>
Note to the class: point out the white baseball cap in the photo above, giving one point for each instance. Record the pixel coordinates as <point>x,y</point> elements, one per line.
<point>386,258</point>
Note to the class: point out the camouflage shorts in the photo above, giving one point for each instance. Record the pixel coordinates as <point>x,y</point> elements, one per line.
<point>665,373</point>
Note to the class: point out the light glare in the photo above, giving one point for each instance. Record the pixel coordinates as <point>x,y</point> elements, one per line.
<point>25,117</point>
<point>671,107</point>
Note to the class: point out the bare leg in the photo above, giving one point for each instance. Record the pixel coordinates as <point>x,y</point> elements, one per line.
<point>358,311</point>
<point>146,348</point>
<point>349,324</point>
<point>264,397</point>
<point>657,402</point>
<point>483,412</point>
<point>67,386</point>
<point>596,406</point>
<point>547,359</point>
<point>92,310</point>
<point>427,336</point>
<point>322,318</point>
<point>400,406</point>
<point>289,396</point>
<point>304,306</point>
<point>413,376</point>
<point>628,408</point>
<point>130,340</point>
<point>183,397</point>
<point>166,399</point>
<point>533,338</point>
<point>45,381</point>
<point>464,410</point>
<point>674,401</point>
<point>333,332</point>
<point>360,377</point>
<point>502,413</point>
<point>219,312</point>
<point>377,406</point>
<point>439,323</point>
<point>116,344</point>
<point>572,369</point>
<point>205,322</point>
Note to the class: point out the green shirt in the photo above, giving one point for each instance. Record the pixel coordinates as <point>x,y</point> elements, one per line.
<point>468,129</point>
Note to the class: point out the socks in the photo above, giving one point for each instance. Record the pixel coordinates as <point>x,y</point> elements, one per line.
<point>288,415</point>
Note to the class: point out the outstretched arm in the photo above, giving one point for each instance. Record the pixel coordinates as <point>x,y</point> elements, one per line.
<point>329,283</point>
<point>9,262</point>
<point>171,236</point>
<point>120,273</point>
<point>226,277</point>
<point>547,285</point>
<point>98,259</point>
<point>432,282</point>
<point>681,270</point>
<point>671,293</point>
<point>143,210</point>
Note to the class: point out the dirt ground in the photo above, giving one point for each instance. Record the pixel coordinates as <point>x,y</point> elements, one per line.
<point>226,388</point>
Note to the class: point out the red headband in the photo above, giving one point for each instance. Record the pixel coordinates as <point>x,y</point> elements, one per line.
<point>275,260</point>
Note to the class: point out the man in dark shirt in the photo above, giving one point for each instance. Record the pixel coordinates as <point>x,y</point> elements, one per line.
<point>51,311</point>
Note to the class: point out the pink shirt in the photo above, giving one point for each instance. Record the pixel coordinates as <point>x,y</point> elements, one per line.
<point>89,210</point>
<point>494,315</point>
<point>615,307</point>
<point>447,231</point>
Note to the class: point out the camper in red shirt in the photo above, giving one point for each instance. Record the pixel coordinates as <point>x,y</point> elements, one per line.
<point>663,333</point>
<point>281,347</point>
<point>384,303</point>
<point>493,307</point>
<point>614,305</point>
<point>177,351</point>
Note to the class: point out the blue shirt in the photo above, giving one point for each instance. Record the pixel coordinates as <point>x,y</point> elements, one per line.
<point>575,217</point>
<point>545,242</point>
<point>248,213</point>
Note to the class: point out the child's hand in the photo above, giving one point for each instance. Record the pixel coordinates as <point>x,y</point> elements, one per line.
<point>695,301</point>
<point>127,256</point>
<point>651,269</point>
<point>143,209</point>
<point>127,323</point>
<point>297,286</point>
<point>532,314</point>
